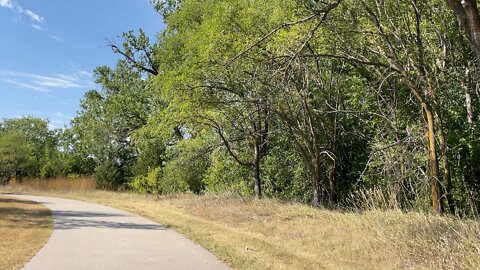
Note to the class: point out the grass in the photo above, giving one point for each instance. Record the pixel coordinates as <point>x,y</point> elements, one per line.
<point>267,234</point>
<point>59,184</point>
<point>24,228</point>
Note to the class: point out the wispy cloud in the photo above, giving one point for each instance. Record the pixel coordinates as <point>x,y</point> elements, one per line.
<point>36,26</point>
<point>43,83</point>
<point>16,7</point>
<point>6,4</point>
<point>33,16</point>
<point>56,38</point>
<point>79,71</point>
<point>26,85</point>
<point>83,72</point>
<point>67,77</point>
<point>54,83</point>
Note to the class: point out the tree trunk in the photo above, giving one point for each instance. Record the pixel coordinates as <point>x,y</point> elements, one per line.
<point>433,162</point>
<point>331,182</point>
<point>466,12</point>
<point>315,184</point>
<point>468,96</point>
<point>468,104</point>
<point>447,178</point>
<point>473,24</point>
<point>398,184</point>
<point>256,171</point>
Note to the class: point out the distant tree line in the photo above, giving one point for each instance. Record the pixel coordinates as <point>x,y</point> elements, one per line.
<point>29,149</point>
<point>336,103</point>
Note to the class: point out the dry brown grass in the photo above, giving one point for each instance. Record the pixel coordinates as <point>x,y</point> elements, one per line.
<point>58,184</point>
<point>24,228</point>
<point>267,234</point>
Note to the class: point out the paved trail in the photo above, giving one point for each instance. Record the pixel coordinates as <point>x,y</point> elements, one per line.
<point>91,236</point>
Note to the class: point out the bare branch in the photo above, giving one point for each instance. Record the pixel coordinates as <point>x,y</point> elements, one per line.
<point>315,15</point>
<point>116,49</point>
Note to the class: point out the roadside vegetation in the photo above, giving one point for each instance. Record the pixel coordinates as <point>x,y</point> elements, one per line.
<point>25,227</point>
<point>320,102</point>
<point>269,234</point>
<point>57,184</point>
<point>343,105</point>
<point>338,103</point>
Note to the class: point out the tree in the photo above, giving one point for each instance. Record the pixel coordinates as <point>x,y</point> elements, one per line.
<point>17,158</point>
<point>41,139</point>
<point>108,119</point>
<point>468,17</point>
<point>204,92</point>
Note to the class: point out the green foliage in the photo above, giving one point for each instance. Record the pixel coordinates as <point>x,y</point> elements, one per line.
<point>151,154</point>
<point>17,158</point>
<point>147,184</point>
<point>52,168</point>
<point>107,121</point>
<point>225,176</point>
<point>285,173</point>
<point>109,176</point>
<point>29,148</point>
<point>317,105</point>
<point>185,169</point>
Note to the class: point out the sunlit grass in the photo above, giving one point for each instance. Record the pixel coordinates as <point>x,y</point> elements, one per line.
<point>24,228</point>
<point>58,184</point>
<point>267,234</point>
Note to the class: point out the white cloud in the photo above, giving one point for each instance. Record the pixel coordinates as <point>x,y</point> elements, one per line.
<point>56,82</point>
<point>45,83</point>
<point>35,17</point>
<point>72,77</point>
<point>11,5</point>
<point>26,85</point>
<point>36,26</point>
<point>83,73</point>
<point>80,72</point>
<point>6,3</point>
<point>56,38</point>
<point>15,6</point>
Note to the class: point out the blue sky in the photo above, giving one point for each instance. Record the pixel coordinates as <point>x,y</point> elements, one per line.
<point>49,48</point>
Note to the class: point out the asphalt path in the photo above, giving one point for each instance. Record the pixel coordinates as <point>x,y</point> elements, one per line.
<point>91,236</point>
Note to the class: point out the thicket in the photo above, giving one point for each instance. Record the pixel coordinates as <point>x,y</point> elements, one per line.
<point>336,103</point>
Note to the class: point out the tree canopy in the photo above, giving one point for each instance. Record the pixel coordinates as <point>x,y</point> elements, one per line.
<point>337,103</point>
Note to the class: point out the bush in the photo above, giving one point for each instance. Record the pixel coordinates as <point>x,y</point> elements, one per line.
<point>108,176</point>
<point>183,174</point>
<point>226,176</point>
<point>285,175</point>
<point>52,168</point>
<point>147,184</point>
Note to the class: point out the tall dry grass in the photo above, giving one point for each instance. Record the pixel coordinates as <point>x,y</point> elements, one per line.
<point>57,184</point>
<point>267,234</point>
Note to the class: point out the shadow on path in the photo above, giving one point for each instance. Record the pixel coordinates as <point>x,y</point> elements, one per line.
<point>10,200</point>
<point>23,214</point>
<point>68,220</point>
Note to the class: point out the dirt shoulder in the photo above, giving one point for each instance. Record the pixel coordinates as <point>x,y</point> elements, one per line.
<point>25,227</point>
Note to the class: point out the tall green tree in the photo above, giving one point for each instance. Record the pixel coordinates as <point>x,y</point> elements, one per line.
<point>17,159</point>
<point>108,119</point>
